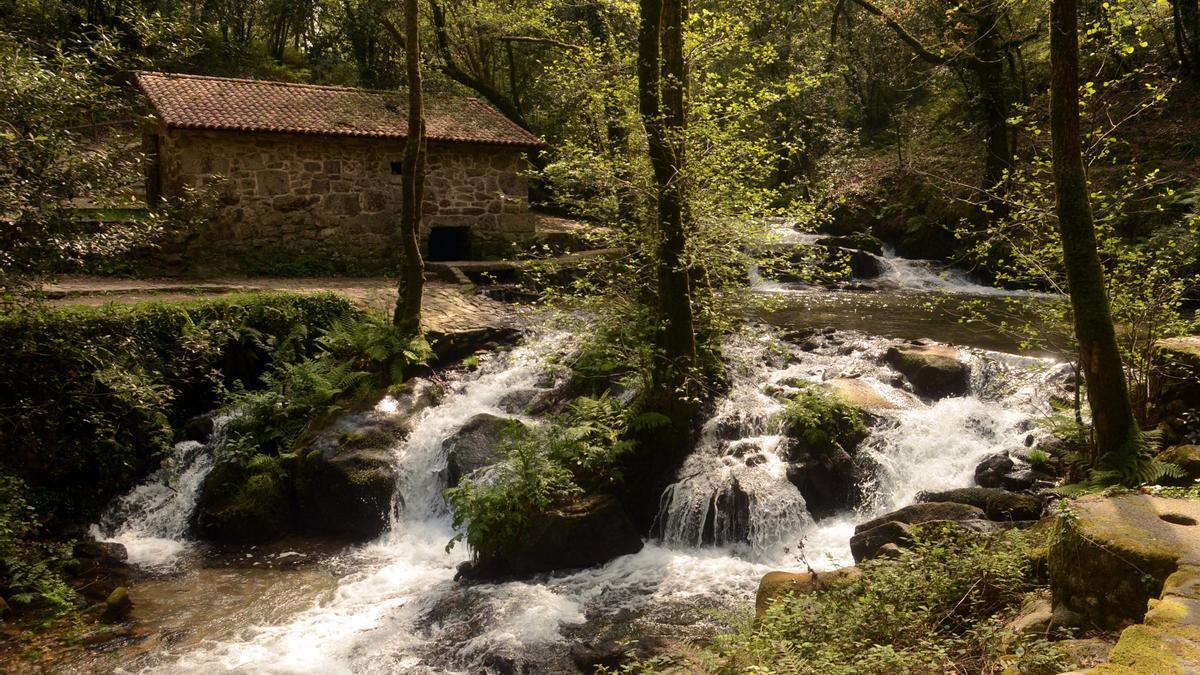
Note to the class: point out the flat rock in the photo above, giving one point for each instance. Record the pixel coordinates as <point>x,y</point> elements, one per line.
<point>935,371</point>
<point>777,584</point>
<point>1110,555</point>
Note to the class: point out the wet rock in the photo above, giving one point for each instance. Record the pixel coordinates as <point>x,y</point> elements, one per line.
<point>921,513</point>
<point>118,605</point>
<point>1110,555</point>
<point>777,584</point>
<point>1187,458</point>
<point>865,544</point>
<point>590,531</point>
<point>476,445</point>
<point>99,567</point>
<point>530,401</point>
<point>858,241</point>
<point>728,517</point>
<point>998,504</point>
<point>935,371</point>
<point>1025,478</point>
<point>863,265</point>
<point>349,494</point>
<point>245,503</point>
<point>900,526</point>
<point>991,471</point>
<point>861,394</point>
<point>828,481</point>
<point>452,346</point>
<point>199,429</point>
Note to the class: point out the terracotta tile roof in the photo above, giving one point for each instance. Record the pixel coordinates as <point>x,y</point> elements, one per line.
<point>200,102</point>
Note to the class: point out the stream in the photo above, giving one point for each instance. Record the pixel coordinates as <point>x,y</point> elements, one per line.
<point>393,606</point>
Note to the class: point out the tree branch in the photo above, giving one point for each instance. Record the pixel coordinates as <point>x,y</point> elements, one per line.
<point>550,42</point>
<point>901,32</point>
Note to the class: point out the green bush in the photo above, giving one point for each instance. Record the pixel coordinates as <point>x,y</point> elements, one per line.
<point>938,607</point>
<point>356,355</point>
<point>91,394</point>
<point>823,420</point>
<point>541,468</point>
<point>30,570</point>
<point>492,514</point>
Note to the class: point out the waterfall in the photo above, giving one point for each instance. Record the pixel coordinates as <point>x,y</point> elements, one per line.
<point>151,521</point>
<point>730,516</point>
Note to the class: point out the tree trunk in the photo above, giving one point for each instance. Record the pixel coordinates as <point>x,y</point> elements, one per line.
<point>407,317</point>
<point>1116,431</point>
<point>661,89</point>
<point>995,105</point>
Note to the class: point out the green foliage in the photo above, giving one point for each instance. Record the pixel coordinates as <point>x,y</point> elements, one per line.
<point>938,607</point>
<point>823,420</point>
<point>543,467</point>
<point>493,513</point>
<point>357,354</point>
<point>91,395</point>
<point>30,570</point>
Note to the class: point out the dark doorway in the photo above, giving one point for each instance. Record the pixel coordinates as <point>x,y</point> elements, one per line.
<point>449,243</point>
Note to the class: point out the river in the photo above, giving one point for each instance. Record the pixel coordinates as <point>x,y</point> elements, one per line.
<point>393,606</point>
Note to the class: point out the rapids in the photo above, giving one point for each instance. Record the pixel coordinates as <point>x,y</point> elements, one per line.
<point>393,606</point>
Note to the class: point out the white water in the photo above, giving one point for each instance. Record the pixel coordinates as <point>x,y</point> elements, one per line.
<point>151,521</point>
<point>399,609</point>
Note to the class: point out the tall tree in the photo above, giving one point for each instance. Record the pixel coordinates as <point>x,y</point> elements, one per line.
<point>980,41</point>
<point>662,102</point>
<point>407,317</point>
<point>1117,434</point>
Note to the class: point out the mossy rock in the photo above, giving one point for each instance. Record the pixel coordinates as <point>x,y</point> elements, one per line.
<point>1110,555</point>
<point>997,504</point>
<point>935,371</point>
<point>245,503</point>
<point>1152,650</point>
<point>775,585</point>
<point>1186,457</point>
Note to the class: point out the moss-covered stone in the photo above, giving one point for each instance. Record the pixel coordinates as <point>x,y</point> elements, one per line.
<point>775,585</point>
<point>998,504</point>
<point>1110,555</point>
<point>935,371</point>
<point>1186,457</point>
<point>118,604</point>
<point>245,503</point>
<point>1155,650</point>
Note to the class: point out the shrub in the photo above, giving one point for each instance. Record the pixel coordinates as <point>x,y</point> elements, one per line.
<point>541,468</point>
<point>938,607</point>
<point>30,570</point>
<point>492,513</point>
<point>823,420</point>
<point>92,394</point>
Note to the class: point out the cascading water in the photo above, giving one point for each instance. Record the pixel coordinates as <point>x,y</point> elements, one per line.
<point>151,521</point>
<point>731,516</point>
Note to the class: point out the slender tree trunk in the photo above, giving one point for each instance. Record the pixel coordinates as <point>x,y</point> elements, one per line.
<point>662,97</point>
<point>1116,431</point>
<point>995,103</point>
<point>407,317</point>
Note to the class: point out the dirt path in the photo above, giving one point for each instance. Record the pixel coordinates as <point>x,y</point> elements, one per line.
<point>449,308</point>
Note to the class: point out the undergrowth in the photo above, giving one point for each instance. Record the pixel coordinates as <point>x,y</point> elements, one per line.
<point>938,607</point>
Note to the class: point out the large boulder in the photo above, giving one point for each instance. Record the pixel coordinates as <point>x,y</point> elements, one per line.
<point>476,445</point>
<point>896,529</point>
<point>935,371</point>
<point>998,504</point>
<point>775,585</point>
<point>344,478</point>
<point>245,503</point>
<point>1110,555</point>
<point>348,494</point>
<point>589,531</point>
<point>1187,458</point>
<point>823,432</point>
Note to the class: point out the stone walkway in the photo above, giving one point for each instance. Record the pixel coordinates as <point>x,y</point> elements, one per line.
<point>449,308</point>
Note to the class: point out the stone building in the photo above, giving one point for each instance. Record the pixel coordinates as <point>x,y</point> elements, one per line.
<point>315,170</point>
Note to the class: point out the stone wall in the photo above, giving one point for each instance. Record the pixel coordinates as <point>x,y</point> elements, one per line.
<point>323,194</point>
